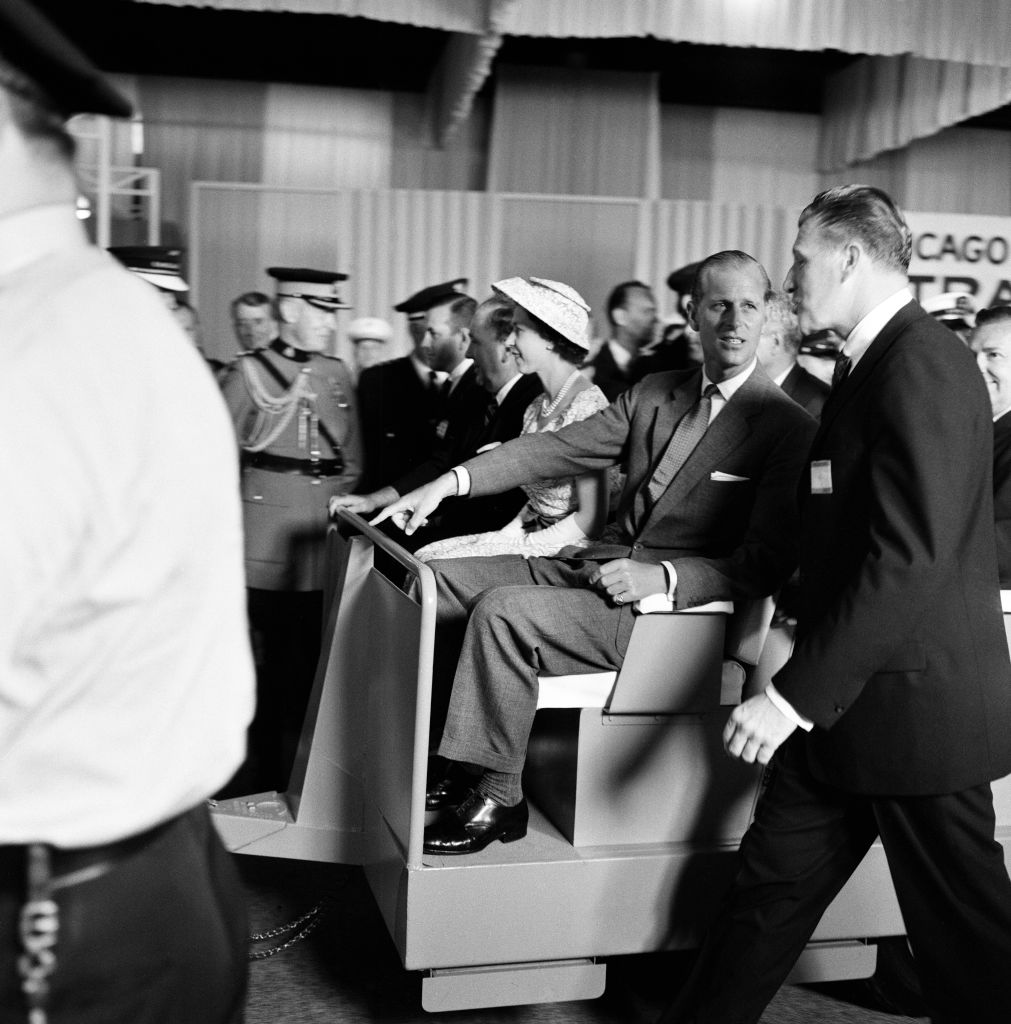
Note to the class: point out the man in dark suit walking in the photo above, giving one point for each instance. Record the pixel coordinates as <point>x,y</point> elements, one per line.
<point>894,713</point>
<point>707,513</point>
<point>777,352</point>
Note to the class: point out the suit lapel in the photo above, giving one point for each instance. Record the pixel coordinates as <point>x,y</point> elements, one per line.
<point>666,416</point>
<point>726,433</point>
<point>842,394</point>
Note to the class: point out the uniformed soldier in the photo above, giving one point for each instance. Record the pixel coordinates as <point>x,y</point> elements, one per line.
<point>294,412</point>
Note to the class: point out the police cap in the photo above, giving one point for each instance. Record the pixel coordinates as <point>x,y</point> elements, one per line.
<point>824,343</point>
<point>434,295</point>
<point>33,44</point>
<point>369,328</point>
<point>315,286</point>
<point>682,279</point>
<point>157,264</point>
<point>956,309</point>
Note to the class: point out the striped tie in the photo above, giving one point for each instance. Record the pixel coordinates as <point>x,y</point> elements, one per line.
<point>841,371</point>
<point>683,442</point>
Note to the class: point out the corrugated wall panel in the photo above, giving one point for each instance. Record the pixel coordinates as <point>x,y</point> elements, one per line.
<point>393,242</point>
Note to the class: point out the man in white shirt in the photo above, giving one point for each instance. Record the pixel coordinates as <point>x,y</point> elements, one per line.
<point>893,714</point>
<point>631,314</point>
<point>125,676</point>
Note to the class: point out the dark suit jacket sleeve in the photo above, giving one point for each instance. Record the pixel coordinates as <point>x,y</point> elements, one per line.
<point>1002,497</point>
<point>766,555</point>
<point>919,472</point>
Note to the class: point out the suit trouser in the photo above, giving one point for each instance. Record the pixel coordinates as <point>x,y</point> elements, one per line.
<point>806,840</point>
<point>160,937</point>
<point>512,619</point>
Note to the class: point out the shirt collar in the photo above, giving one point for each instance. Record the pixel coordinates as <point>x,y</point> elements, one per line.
<point>859,339</point>
<point>459,370</point>
<point>728,388</point>
<point>780,377</point>
<point>28,235</point>
<point>500,395</point>
<point>621,356</point>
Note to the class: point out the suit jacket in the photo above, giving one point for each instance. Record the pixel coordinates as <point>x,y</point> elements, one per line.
<point>397,417</point>
<point>458,426</point>
<point>458,516</point>
<point>606,374</point>
<point>806,390</point>
<point>901,660</point>
<point>1002,497</point>
<point>728,519</point>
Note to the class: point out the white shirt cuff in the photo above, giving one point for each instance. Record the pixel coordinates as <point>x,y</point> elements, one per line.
<point>660,602</point>
<point>462,480</point>
<point>787,708</point>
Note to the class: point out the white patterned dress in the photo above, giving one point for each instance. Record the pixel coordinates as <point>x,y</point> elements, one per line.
<point>544,525</point>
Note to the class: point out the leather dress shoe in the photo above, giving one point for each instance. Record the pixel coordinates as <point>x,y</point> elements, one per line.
<point>452,789</point>
<point>478,821</point>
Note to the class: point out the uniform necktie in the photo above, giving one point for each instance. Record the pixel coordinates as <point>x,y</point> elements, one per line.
<point>841,370</point>
<point>683,442</point>
<point>433,380</point>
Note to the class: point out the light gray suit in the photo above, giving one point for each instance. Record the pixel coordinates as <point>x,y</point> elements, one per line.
<point>728,538</point>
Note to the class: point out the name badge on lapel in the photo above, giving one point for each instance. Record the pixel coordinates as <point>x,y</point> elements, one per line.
<point>441,428</point>
<point>821,476</point>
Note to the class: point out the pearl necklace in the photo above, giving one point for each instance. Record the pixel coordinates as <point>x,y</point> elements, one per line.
<point>546,409</point>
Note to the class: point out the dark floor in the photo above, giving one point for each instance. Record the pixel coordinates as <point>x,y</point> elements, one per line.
<point>348,969</point>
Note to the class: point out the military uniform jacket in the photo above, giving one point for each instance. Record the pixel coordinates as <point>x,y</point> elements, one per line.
<point>901,660</point>
<point>285,509</point>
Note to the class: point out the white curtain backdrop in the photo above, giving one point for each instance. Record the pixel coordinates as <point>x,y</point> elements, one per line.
<point>574,132</point>
<point>973,31</point>
<point>883,103</point>
<point>317,137</point>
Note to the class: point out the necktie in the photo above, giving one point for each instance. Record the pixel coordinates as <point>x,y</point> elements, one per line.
<point>683,442</point>
<point>433,380</point>
<point>841,371</point>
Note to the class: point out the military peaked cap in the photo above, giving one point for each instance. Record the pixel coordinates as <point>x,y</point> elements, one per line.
<point>682,279</point>
<point>315,286</point>
<point>433,295</point>
<point>157,264</point>
<point>37,48</point>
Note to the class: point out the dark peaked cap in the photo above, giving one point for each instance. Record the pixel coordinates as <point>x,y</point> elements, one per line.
<point>37,48</point>
<point>682,279</point>
<point>434,295</point>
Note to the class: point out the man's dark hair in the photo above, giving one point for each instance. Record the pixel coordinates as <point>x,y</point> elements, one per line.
<point>868,214</point>
<point>993,315</point>
<point>727,258</point>
<point>35,115</point>
<point>461,311</point>
<point>497,314</point>
<point>618,298</point>
<point>564,348</point>
<point>252,299</point>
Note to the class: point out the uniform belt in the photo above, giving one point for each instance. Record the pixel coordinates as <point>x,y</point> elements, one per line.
<point>283,464</point>
<point>91,860</point>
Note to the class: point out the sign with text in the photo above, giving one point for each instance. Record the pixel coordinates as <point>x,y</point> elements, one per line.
<point>957,252</point>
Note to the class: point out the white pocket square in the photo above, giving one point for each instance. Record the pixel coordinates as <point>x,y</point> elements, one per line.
<point>728,478</point>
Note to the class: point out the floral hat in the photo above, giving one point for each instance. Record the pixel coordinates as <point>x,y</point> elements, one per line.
<point>558,305</point>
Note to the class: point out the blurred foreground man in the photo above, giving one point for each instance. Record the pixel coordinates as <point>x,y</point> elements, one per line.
<point>894,713</point>
<point>125,676</point>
